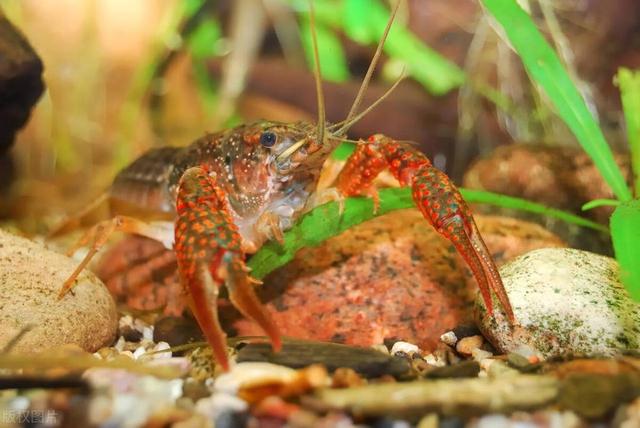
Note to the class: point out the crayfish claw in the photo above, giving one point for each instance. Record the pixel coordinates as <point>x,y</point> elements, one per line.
<point>203,300</point>
<point>210,254</point>
<point>243,297</point>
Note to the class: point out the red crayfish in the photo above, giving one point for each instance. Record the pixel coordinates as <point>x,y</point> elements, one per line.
<point>223,196</point>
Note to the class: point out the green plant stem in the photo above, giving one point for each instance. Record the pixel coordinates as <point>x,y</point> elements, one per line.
<point>325,222</point>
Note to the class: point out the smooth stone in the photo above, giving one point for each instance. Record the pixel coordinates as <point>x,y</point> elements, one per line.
<point>30,278</point>
<point>566,301</point>
<point>393,277</point>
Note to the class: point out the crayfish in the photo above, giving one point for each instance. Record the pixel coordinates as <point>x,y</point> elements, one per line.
<point>220,198</point>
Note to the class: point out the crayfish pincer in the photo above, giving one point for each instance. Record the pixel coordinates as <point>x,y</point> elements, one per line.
<point>222,197</point>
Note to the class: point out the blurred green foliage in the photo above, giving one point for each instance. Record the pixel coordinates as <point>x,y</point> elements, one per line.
<point>364,21</point>
<point>546,69</point>
<point>629,83</point>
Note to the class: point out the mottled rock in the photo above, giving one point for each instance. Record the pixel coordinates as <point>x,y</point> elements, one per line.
<point>391,277</point>
<point>557,176</point>
<point>30,278</point>
<point>566,301</point>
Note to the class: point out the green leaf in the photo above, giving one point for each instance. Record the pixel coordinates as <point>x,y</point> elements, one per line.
<point>600,203</point>
<point>202,42</point>
<point>545,68</point>
<point>625,233</point>
<point>343,151</point>
<point>629,83</point>
<point>325,221</point>
<point>333,61</point>
<point>484,197</point>
<point>356,22</point>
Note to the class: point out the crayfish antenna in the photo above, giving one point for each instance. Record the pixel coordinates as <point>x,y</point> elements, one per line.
<point>317,76</point>
<point>351,116</point>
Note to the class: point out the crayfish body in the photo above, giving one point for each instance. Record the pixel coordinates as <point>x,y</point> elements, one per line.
<point>227,193</point>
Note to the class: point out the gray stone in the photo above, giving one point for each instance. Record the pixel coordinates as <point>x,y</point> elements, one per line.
<point>566,301</point>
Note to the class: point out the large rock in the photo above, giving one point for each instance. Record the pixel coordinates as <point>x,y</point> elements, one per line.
<point>20,87</point>
<point>30,278</point>
<point>566,301</point>
<point>557,176</point>
<point>391,277</point>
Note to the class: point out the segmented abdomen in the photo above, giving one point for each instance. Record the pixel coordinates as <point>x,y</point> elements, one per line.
<point>146,182</point>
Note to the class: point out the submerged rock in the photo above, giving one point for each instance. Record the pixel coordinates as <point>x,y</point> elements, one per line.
<point>566,301</point>
<point>30,278</point>
<point>391,277</point>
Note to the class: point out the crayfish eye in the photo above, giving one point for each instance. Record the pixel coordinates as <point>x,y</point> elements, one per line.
<point>268,139</point>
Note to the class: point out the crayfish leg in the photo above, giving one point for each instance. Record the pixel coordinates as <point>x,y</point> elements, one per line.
<point>99,234</point>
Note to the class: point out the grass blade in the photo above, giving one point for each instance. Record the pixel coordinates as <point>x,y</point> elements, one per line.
<point>545,68</point>
<point>629,83</point>
<point>325,222</point>
<point>625,233</point>
<point>600,203</point>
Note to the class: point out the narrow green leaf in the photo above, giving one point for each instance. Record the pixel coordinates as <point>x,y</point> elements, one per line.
<point>356,22</point>
<point>600,203</point>
<point>484,197</point>
<point>333,60</point>
<point>545,69</point>
<point>629,83</point>
<point>625,233</point>
<point>202,42</point>
<point>325,221</point>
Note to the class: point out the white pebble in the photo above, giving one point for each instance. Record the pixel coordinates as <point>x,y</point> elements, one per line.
<point>119,346</point>
<point>435,361</point>
<point>162,346</point>
<point>220,403</point>
<point>147,333</point>
<point>140,351</point>
<point>449,338</point>
<point>250,374</point>
<point>404,347</point>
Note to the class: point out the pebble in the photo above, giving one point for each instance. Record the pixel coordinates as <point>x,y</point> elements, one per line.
<point>467,345</point>
<point>566,301</point>
<point>480,354</point>
<point>405,348</point>
<point>31,277</point>
<point>449,338</point>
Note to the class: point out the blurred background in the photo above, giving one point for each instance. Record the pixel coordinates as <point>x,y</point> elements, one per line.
<point>122,76</point>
